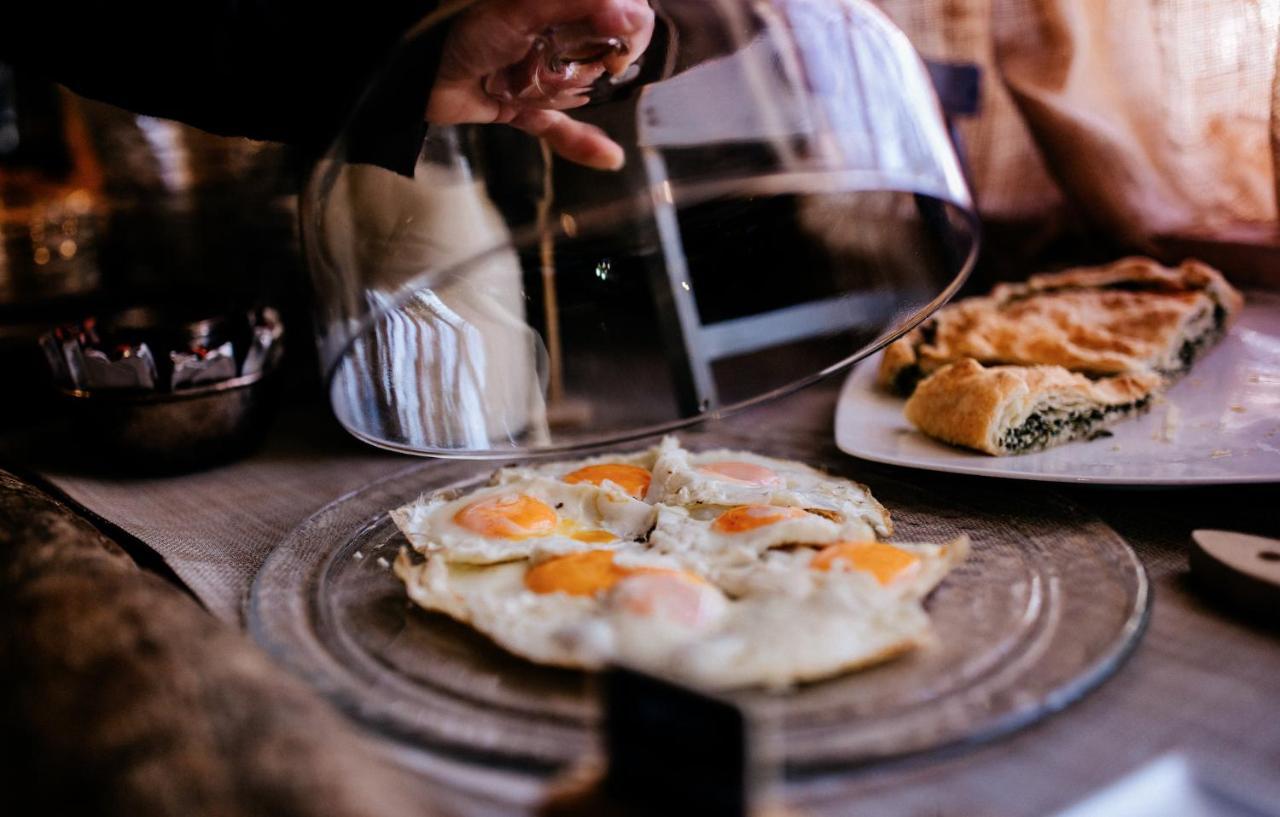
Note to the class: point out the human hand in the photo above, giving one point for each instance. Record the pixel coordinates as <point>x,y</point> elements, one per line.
<point>499,35</point>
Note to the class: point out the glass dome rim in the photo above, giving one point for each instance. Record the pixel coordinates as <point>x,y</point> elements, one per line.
<point>708,191</point>
<point>625,436</point>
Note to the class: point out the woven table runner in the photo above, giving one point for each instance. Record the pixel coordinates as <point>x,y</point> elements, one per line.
<point>214,528</point>
<point>1201,683</point>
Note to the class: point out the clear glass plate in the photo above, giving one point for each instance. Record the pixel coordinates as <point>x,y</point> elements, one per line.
<point>1049,603</point>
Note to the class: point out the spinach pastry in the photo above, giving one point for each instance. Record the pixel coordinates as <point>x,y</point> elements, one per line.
<point>1130,316</point>
<point>1017,409</point>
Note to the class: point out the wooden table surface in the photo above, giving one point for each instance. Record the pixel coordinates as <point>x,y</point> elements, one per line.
<point>1203,682</point>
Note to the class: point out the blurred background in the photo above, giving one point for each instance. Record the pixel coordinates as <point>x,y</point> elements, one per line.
<point>1102,128</point>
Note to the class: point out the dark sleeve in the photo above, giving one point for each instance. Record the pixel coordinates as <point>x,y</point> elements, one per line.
<point>279,70</point>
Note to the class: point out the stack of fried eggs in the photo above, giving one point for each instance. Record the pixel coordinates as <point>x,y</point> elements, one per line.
<point>722,568</point>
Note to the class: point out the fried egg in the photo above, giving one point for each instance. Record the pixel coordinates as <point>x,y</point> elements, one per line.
<point>709,535</point>
<point>579,610</point>
<point>910,570</point>
<point>820,612</point>
<point>803,618</point>
<point>722,568</point>
<point>729,478</point>
<point>518,518</point>
<point>626,474</point>
<point>777,640</point>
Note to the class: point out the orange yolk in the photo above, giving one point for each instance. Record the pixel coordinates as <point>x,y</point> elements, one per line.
<point>578,574</point>
<point>745,472</point>
<point>885,562</point>
<point>630,478</point>
<point>749,517</point>
<point>586,574</point>
<point>668,594</point>
<point>515,516</point>
<point>592,537</point>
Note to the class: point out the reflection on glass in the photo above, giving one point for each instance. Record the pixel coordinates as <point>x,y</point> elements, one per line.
<point>790,200</point>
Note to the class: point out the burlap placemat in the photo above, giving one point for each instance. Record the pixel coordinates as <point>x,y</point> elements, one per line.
<point>214,528</point>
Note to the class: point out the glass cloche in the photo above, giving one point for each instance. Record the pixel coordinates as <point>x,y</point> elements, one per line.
<point>789,201</point>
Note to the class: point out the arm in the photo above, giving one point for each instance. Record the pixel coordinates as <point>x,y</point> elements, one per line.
<point>290,71</point>
<point>280,70</point>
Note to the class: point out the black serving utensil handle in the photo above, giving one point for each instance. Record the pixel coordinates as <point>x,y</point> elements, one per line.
<point>672,747</point>
<point>669,749</point>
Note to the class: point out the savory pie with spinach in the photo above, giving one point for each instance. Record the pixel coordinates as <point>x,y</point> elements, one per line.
<point>1131,316</point>
<point>1019,409</point>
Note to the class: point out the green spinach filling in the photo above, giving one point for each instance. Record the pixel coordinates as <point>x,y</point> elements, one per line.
<point>906,380</point>
<point>1193,348</point>
<point>1045,427</point>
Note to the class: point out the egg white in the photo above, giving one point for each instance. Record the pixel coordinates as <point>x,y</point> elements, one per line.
<point>677,481</point>
<point>815,623</point>
<point>559,629</point>
<point>789,624</point>
<point>691,535</point>
<point>428,522</point>
<point>788,572</point>
<point>765,617</point>
<point>557,470</point>
<point>840,622</point>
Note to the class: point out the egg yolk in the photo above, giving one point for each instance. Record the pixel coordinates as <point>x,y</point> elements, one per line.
<point>749,517</point>
<point>883,561</point>
<point>631,478</point>
<point>578,574</point>
<point>668,594</point>
<point>745,472</point>
<point>587,573</point>
<point>514,516</point>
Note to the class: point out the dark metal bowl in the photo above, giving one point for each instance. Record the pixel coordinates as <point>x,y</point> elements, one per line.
<point>191,428</point>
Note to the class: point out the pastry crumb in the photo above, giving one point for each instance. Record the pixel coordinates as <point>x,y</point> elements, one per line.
<point>1219,453</point>
<point>1115,448</point>
<point>1168,431</point>
<point>1238,409</point>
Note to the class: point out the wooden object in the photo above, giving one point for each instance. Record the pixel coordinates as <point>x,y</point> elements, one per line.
<point>1241,571</point>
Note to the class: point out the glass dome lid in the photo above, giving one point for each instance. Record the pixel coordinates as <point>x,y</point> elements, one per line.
<point>789,202</point>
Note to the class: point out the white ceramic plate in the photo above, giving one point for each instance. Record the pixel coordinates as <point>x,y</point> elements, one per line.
<point>1218,425</point>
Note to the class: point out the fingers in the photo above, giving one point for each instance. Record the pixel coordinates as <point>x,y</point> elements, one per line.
<point>494,35</point>
<point>571,139</point>
<point>482,41</point>
<point>453,103</point>
<point>498,33</point>
<point>631,21</point>
<point>637,43</point>
<point>610,18</point>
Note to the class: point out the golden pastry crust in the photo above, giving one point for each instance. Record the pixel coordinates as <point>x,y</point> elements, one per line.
<point>1130,316</point>
<point>968,404</point>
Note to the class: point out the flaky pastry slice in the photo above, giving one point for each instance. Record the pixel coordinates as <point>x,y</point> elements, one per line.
<point>1017,409</point>
<point>1130,316</point>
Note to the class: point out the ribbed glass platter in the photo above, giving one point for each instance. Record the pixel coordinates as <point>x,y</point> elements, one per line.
<point>1049,603</point>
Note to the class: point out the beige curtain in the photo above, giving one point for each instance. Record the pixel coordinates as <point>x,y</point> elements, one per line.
<point>1147,120</point>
